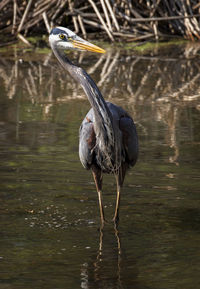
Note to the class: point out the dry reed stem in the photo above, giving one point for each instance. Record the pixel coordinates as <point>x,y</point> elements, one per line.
<point>123,19</point>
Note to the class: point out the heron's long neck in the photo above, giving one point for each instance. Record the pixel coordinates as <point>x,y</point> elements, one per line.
<point>102,113</point>
<point>108,145</point>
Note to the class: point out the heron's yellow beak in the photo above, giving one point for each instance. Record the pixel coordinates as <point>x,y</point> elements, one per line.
<point>87,46</point>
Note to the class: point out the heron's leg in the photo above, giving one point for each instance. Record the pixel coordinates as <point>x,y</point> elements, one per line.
<point>98,178</point>
<point>119,179</point>
<point>116,215</point>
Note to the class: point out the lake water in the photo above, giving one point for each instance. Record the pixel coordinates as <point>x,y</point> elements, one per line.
<point>50,233</point>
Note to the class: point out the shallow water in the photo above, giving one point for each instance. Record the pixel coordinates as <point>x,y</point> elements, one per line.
<point>49,218</point>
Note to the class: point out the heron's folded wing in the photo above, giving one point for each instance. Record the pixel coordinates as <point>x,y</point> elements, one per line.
<point>87,141</point>
<point>129,139</point>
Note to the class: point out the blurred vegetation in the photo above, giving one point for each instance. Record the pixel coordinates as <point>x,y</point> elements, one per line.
<point>125,20</point>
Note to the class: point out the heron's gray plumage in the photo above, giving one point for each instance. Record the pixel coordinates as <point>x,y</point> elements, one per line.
<point>107,139</point>
<point>90,152</point>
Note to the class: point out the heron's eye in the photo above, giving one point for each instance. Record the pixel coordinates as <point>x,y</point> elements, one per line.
<point>62,36</point>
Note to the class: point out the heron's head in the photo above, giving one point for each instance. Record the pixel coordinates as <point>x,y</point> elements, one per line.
<point>63,38</point>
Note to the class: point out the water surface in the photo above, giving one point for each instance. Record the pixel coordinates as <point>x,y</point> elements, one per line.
<point>49,218</point>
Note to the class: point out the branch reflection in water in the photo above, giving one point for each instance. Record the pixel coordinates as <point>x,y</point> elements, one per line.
<point>166,84</point>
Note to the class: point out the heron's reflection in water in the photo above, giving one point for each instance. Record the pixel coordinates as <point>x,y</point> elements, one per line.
<point>106,268</point>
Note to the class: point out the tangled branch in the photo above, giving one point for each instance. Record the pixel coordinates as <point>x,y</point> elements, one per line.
<point>115,19</point>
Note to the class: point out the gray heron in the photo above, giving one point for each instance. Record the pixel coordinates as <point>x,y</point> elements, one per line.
<point>108,141</point>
